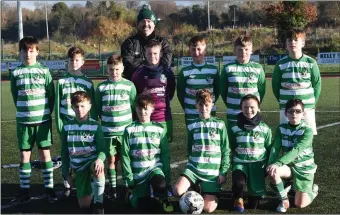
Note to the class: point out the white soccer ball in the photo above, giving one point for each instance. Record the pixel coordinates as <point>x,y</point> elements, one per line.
<point>191,203</point>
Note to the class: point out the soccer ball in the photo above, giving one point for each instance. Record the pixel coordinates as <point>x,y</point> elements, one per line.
<point>191,203</point>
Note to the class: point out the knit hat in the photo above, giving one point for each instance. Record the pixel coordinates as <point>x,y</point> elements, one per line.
<point>146,13</point>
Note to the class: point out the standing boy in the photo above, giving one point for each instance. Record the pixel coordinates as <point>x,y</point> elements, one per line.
<point>146,157</point>
<point>199,75</point>
<point>115,100</point>
<point>33,94</point>
<point>297,76</point>
<point>294,139</point>
<point>83,150</point>
<point>158,81</point>
<point>208,154</point>
<point>250,142</point>
<point>240,78</point>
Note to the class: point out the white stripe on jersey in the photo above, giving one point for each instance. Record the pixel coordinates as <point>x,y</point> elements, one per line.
<point>141,128</point>
<point>205,136</point>
<point>297,92</point>
<point>205,160</point>
<point>291,133</point>
<point>295,75</point>
<point>305,101</point>
<point>195,71</point>
<point>144,164</point>
<point>116,118</point>
<point>70,90</point>
<point>77,138</point>
<point>190,91</point>
<point>75,127</point>
<point>122,107</point>
<point>206,125</point>
<point>30,81</point>
<point>257,128</point>
<point>143,140</point>
<point>116,98</point>
<point>293,64</point>
<point>31,102</point>
<point>305,163</point>
<point>33,113</point>
<point>238,160</point>
<point>77,81</point>
<point>233,101</point>
<point>109,87</point>
<point>237,79</point>
<point>242,69</point>
<point>242,90</point>
<point>233,111</point>
<point>199,81</point>
<point>113,129</point>
<point>249,139</point>
<point>68,112</point>
<point>205,171</point>
<point>22,71</point>
<point>299,85</point>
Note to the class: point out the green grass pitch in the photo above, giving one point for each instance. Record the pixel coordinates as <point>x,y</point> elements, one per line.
<point>326,148</point>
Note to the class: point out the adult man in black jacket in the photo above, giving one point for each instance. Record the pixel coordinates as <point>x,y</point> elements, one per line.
<point>132,50</point>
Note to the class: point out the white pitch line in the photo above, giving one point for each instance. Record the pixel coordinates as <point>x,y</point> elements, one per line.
<point>328,125</point>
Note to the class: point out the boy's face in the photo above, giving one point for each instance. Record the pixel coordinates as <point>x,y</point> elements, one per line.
<point>295,114</point>
<point>153,55</point>
<point>198,52</point>
<point>29,56</point>
<point>115,71</point>
<point>204,109</point>
<point>243,53</point>
<point>76,63</point>
<point>146,27</point>
<point>82,109</point>
<point>144,114</point>
<point>295,45</point>
<point>250,108</point>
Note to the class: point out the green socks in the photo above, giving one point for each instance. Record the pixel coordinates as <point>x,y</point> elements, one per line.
<point>25,174</point>
<point>47,170</point>
<point>112,177</point>
<point>280,189</point>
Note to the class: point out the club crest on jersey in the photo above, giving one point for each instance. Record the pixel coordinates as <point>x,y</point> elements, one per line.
<point>294,141</point>
<point>252,76</point>
<point>123,94</point>
<point>153,136</point>
<point>209,80</point>
<point>86,137</point>
<point>163,78</point>
<point>36,78</point>
<point>256,135</point>
<point>304,72</point>
<point>212,133</point>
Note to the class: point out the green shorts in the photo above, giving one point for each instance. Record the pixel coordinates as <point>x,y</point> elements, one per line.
<point>255,176</point>
<point>28,134</point>
<point>114,144</point>
<point>142,189</point>
<point>83,181</point>
<point>302,182</point>
<point>168,125</point>
<point>208,187</point>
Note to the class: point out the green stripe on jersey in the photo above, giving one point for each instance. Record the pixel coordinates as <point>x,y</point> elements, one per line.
<point>30,86</point>
<point>114,105</point>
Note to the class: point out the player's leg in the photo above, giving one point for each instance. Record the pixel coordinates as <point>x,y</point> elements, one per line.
<point>159,187</point>
<point>277,184</point>
<point>239,180</point>
<point>309,118</point>
<point>181,186</point>
<point>98,187</point>
<point>210,191</point>
<point>210,203</point>
<point>84,190</point>
<point>306,191</point>
<point>256,184</point>
<point>111,171</point>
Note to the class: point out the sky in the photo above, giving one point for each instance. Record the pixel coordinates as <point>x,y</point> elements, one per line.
<point>30,4</point>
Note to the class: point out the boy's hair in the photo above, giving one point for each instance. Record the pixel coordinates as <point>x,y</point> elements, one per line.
<point>249,97</point>
<point>295,33</point>
<point>28,43</point>
<point>79,96</point>
<point>243,40</point>
<point>75,50</point>
<point>143,100</point>
<point>114,59</point>
<point>196,39</point>
<point>294,102</point>
<point>153,43</point>
<point>204,96</point>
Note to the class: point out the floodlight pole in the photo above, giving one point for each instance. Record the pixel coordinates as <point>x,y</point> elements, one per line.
<point>47,34</point>
<point>208,16</point>
<point>20,28</point>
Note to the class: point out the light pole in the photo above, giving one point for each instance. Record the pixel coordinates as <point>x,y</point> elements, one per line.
<point>208,17</point>
<point>20,28</point>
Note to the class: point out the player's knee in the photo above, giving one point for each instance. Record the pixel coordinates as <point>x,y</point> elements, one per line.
<point>176,191</point>
<point>158,183</point>
<point>301,204</point>
<point>210,206</point>
<point>111,160</point>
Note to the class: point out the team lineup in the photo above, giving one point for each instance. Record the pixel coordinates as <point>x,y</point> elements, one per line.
<point>128,118</point>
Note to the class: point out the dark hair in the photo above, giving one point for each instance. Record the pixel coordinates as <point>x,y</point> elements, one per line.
<point>143,100</point>
<point>196,39</point>
<point>249,97</point>
<point>204,96</point>
<point>295,33</point>
<point>114,59</point>
<point>153,43</point>
<point>243,40</point>
<point>75,50</point>
<point>79,96</point>
<point>28,43</point>
<point>294,102</point>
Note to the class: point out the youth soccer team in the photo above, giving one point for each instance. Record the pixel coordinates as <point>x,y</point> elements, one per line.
<point>135,121</point>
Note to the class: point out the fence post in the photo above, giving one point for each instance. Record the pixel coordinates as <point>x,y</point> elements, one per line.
<point>49,48</point>
<point>182,46</point>
<point>2,49</point>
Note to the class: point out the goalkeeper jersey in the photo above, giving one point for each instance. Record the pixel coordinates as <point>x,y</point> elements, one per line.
<point>145,148</point>
<point>82,143</point>
<point>294,143</point>
<point>114,104</point>
<point>65,86</point>
<point>250,145</point>
<point>33,93</point>
<point>193,78</point>
<point>297,78</point>
<point>208,148</point>
<point>238,80</point>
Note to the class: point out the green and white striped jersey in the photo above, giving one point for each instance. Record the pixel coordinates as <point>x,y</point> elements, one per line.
<point>145,148</point>
<point>114,104</point>
<point>82,144</point>
<point>33,93</point>
<point>295,145</point>
<point>238,80</point>
<point>65,86</point>
<point>297,78</point>
<point>208,148</point>
<point>250,145</point>
<point>193,78</point>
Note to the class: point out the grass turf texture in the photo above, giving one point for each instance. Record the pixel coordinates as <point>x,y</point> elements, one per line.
<point>326,148</point>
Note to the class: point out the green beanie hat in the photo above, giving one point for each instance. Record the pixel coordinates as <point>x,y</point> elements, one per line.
<point>146,13</point>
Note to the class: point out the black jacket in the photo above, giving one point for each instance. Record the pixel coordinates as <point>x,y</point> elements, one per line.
<point>132,51</point>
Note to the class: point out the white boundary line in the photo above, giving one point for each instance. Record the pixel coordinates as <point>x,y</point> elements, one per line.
<point>266,111</point>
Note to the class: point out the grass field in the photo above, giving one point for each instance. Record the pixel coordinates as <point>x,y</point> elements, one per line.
<point>326,146</point>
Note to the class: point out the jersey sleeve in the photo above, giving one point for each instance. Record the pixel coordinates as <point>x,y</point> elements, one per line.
<point>171,87</point>
<point>276,82</point>
<point>98,102</point>
<point>316,81</point>
<point>58,121</point>
<point>261,85</point>
<point>93,111</point>
<point>100,144</point>
<point>65,159</point>
<point>304,142</point>
<point>275,148</point>
<point>224,85</point>
<point>50,90</point>
<point>268,142</point>
<point>133,94</point>
<point>181,88</point>
<point>14,89</point>
<point>225,150</point>
<point>217,85</point>
<point>165,157</point>
<point>127,171</point>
